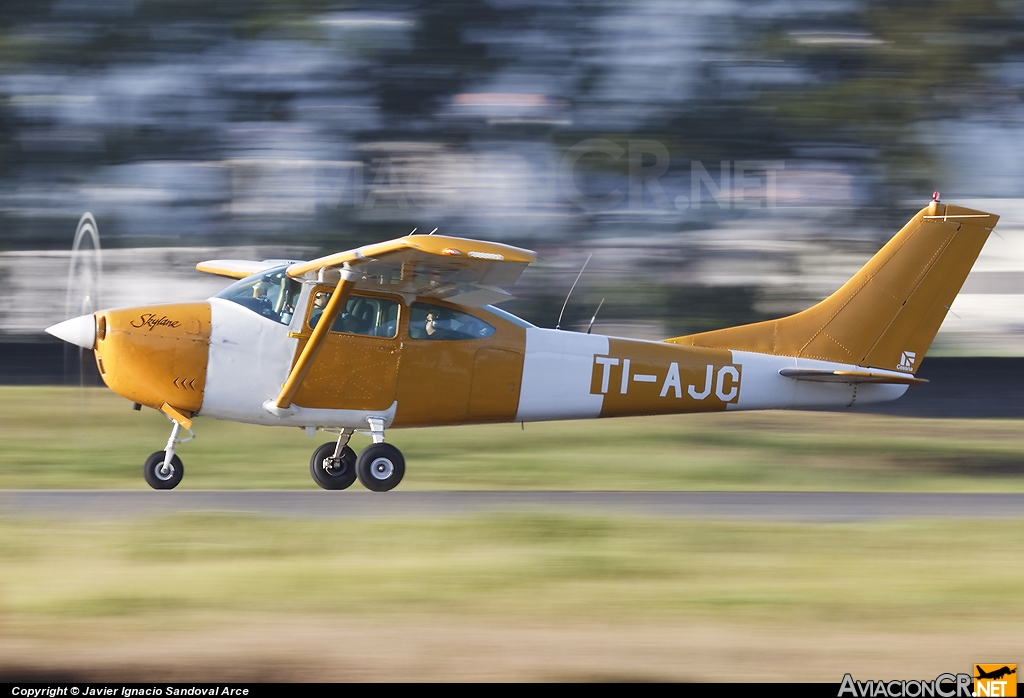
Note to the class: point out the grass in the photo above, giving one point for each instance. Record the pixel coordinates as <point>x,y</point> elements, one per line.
<point>638,585</point>
<point>63,438</point>
<point>544,565</point>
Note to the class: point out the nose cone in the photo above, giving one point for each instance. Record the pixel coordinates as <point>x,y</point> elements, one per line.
<point>80,331</point>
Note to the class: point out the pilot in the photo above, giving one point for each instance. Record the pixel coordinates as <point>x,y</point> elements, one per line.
<point>319,303</point>
<point>263,306</point>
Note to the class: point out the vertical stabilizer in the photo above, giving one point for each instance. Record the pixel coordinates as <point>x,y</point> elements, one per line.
<point>887,315</point>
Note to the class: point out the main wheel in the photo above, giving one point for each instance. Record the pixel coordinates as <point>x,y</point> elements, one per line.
<point>157,477</point>
<point>333,474</point>
<point>380,467</point>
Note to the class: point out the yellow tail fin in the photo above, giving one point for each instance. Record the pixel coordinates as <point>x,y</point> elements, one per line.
<point>887,315</point>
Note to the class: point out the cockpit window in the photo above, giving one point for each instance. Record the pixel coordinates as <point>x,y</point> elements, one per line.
<point>427,321</point>
<point>272,295</point>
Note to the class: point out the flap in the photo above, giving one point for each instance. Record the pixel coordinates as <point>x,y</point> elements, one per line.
<point>470,273</point>
<point>847,376</point>
<point>239,268</point>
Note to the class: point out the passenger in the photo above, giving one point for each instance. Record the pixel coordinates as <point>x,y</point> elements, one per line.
<point>434,326</point>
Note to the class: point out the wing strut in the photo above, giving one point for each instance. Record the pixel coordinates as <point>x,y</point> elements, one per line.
<point>316,339</point>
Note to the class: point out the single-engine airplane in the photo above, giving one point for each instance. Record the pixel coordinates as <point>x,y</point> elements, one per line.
<point>405,333</point>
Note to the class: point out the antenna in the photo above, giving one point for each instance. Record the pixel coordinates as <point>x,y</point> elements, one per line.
<point>558,325</point>
<point>591,325</point>
<point>432,231</point>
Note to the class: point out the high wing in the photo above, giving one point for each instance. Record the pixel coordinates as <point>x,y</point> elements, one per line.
<point>471,273</point>
<point>239,268</point>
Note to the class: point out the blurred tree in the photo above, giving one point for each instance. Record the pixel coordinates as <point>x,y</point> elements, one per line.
<point>442,59</point>
<point>881,73</point>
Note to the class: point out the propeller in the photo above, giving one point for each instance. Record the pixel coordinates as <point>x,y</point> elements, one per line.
<point>85,276</point>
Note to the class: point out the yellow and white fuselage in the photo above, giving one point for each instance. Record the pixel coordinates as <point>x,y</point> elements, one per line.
<point>221,360</point>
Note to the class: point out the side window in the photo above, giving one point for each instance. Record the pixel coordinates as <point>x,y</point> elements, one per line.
<point>372,317</point>
<point>428,321</point>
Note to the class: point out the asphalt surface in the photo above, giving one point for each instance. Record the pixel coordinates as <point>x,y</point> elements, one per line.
<point>747,506</point>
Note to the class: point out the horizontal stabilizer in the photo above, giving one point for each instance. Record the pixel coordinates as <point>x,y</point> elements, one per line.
<point>847,376</point>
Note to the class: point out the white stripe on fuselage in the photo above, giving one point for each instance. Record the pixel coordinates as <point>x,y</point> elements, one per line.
<point>250,357</point>
<point>557,369</point>
<point>763,388</point>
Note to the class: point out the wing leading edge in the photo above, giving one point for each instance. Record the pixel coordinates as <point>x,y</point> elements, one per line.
<point>239,268</point>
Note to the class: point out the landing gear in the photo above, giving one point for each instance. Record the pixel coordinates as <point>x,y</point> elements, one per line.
<point>161,475</point>
<point>333,466</point>
<point>380,467</point>
<point>163,470</point>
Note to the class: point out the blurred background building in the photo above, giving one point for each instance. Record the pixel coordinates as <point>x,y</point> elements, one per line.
<point>724,161</point>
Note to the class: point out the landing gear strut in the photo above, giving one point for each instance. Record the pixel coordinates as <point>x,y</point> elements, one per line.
<point>163,470</point>
<point>333,466</point>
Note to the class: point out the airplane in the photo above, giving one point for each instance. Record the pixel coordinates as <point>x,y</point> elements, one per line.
<point>995,674</point>
<point>406,333</point>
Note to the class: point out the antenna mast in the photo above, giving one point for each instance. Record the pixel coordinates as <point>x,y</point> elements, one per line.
<point>591,325</point>
<point>558,325</point>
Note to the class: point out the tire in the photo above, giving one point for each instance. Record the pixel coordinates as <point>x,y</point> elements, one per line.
<point>380,467</point>
<point>333,476</point>
<point>151,471</point>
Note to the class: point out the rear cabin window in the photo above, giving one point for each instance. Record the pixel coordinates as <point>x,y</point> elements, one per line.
<point>365,315</point>
<point>428,321</point>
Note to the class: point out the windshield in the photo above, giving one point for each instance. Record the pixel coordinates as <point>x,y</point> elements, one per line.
<point>272,294</point>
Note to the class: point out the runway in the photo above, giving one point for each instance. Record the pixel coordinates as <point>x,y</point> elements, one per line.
<point>742,506</point>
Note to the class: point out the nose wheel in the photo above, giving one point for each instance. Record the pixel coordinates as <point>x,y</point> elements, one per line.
<point>163,470</point>
<point>161,475</point>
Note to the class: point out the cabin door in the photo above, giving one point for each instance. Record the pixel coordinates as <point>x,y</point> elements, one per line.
<point>357,369</point>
